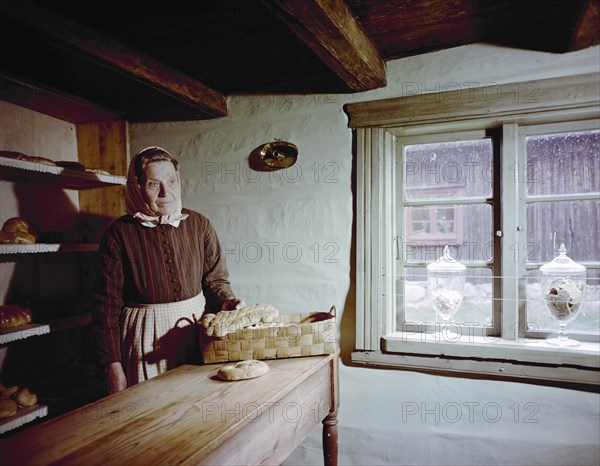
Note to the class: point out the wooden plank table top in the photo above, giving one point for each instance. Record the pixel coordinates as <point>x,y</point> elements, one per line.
<point>189,416</point>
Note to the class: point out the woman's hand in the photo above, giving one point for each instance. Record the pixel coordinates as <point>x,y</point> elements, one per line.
<point>232,304</point>
<point>115,378</point>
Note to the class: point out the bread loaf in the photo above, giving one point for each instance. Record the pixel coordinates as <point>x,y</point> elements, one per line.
<point>225,322</point>
<point>8,407</point>
<point>18,238</point>
<point>12,315</point>
<point>17,230</point>
<point>13,155</point>
<point>25,398</point>
<point>97,171</point>
<point>10,391</point>
<point>7,238</point>
<point>16,224</point>
<point>27,158</point>
<point>42,160</point>
<point>243,370</point>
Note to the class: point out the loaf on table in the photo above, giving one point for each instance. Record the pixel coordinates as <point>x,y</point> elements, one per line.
<point>243,370</point>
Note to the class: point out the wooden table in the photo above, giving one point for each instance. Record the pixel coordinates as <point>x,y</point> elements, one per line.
<point>189,416</point>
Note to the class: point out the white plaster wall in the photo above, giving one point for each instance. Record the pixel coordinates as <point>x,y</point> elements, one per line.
<point>288,241</point>
<point>32,133</point>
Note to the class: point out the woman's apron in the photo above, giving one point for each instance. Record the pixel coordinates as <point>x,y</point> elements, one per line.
<point>156,338</point>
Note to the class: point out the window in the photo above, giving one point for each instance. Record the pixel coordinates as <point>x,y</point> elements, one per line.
<point>562,206</point>
<point>450,180</point>
<point>429,224</point>
<point>502,186</point>
<point>559,205</point>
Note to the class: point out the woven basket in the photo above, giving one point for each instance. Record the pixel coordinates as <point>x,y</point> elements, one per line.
<point>307,334</point>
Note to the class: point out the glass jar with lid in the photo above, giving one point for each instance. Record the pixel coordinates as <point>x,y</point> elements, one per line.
<point>446,285</point>
<point>563,286</point>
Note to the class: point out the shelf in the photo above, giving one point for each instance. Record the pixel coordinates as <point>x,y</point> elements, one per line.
<point>9,335</point>
<point>23,416</point>
<point>67,178</point>
<point>41,248</point>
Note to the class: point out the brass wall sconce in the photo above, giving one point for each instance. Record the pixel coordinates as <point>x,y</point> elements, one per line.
<point>278,154</point>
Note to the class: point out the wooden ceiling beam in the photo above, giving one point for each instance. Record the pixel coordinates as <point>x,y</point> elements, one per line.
<point>106,51</point>
<point>586,31</point>
<point>334,35</point>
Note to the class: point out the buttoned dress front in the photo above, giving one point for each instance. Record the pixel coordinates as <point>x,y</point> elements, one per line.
<point>151,283</point>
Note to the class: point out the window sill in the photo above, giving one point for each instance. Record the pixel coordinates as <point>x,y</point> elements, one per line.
<point>487,356</point>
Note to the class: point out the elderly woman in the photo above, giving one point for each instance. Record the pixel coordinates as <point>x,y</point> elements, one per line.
<point>158,266</point>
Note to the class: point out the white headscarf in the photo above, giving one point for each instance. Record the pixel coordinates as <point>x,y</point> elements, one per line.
<point>135,203</point>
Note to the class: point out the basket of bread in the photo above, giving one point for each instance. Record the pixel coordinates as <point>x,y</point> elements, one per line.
<point>259,331</point>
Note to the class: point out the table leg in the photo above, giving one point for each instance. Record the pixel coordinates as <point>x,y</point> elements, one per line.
<point>330,439</point>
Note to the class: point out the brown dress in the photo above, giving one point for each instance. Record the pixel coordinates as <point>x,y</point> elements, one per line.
<point>151,282</point>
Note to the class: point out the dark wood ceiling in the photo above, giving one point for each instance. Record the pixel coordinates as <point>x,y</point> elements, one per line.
<point>179,59</point>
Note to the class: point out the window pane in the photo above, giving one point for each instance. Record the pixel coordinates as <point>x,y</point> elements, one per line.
<point>574,223</point>
<point>448,169</point>
<point>444,221</point>
<point>421,228</point>
<point>563,163</point>
<point>415,302</point>
<point>588,319</point>
<point>466,228</point>
<point>420,214</point>
<point>420,221</point>
<point>476,308</point>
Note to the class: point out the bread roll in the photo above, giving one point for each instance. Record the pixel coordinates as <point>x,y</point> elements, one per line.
<point>24,238</point>
<point>16,224</point>
<point>13,155</point>
<point>8,392</point>
<point>97,171</point>
<point>16,238</point>
<point>243,370</point>
<point>42,160</point>
<point>8,407</point>
<point>7,238</point>
<point>25,398</point>
<point>18,231</point>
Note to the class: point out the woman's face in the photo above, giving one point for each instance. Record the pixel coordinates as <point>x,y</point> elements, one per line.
<point>161,187</point>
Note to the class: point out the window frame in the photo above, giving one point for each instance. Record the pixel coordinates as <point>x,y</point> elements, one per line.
<point>524,199</point>
<point>489,199</point>
<point>376,125</point>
